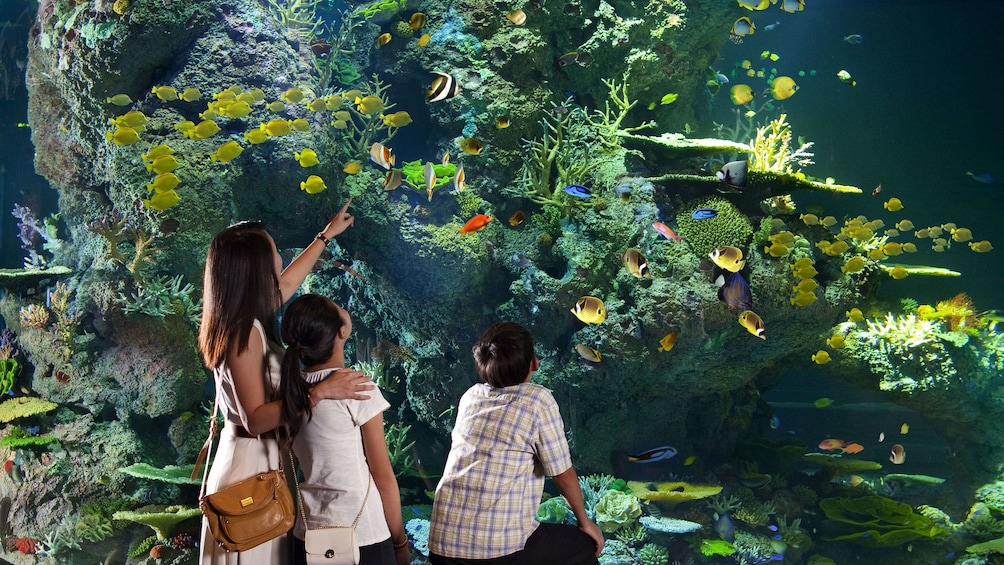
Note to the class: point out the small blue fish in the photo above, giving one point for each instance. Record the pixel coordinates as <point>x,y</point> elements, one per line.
<point>985,178</point>
<point>777,557</point>
<point>702,213</point>
<point>33,430</point>
<point>770,27</point>
<point>725,528</point>
<point>773,527</point>
<point>775,422</point>
<point>853,39</point>
<point>578,191</point>
<point>653,455</point>
<point>722,79</point>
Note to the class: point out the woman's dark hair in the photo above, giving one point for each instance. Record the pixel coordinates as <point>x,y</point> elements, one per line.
<point>503,355</point>
<point>309,328</point>
<point>239,287</point>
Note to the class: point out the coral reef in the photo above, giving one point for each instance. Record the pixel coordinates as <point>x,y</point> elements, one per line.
<point>877,521</point>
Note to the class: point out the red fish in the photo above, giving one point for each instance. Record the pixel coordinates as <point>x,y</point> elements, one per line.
<point>476,223</point>
<point>853,448</point>
<point>832,444</point>
<point>667,232</point>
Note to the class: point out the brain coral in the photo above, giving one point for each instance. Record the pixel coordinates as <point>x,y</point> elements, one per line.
<point>729,227</point>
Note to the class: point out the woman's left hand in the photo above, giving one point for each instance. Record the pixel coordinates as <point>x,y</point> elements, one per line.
<point>343,384</point>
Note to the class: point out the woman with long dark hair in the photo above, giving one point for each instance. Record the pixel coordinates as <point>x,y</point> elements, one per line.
<point>244,287</point>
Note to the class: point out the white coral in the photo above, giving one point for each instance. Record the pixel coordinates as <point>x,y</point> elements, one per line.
<point>899,332</point>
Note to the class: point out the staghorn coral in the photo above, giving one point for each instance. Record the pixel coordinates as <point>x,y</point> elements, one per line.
<point>722,504</point>
<point>136,228</point>
<point>608,122</point>
<point>771,149</point>
<point>398,447</point>
<point>300,16</point>
<point>362,130</point>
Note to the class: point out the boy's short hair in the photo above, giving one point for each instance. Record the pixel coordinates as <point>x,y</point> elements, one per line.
<point>503,354</point>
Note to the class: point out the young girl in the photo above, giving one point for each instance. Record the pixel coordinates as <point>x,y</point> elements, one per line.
<point>337,467</point>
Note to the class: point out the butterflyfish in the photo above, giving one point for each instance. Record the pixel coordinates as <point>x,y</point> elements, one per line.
<point>743,27</point>
<point>782,87</point>
<point>471,146</point>
<point>893,205</point>
<point>755,5</point>
<point>227,152</point>
<point>635,263</point>
<point>753,324</point>
<point>667,343</point>
<point>443,87</point>
<point>653,455</point>
<point>165,93</point>
<point>516,219</point>
<point>382,39</point>
<point>734,291</point>
<point>501,122</point>
<point>478,222</point>
<point>897,455</point>
<point>313,185</point>
<point>517,17</point>
<point>741,93</point>
<point>392,180</point>
<point>728,257</point>
<point>590,310</point>
<point>588,353</point>
<point>381,155</point>
<point>417,21</point>
<point>429,175</point>
<point>352,168</point>
<point>846,78</point>
<point>306,158</point>
<point>792,6</point>
<point>733,174</point>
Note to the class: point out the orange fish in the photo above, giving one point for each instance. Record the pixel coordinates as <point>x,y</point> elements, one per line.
<point>667,232</point>
<point>898,455</point>
<point>853,448</point>
<point>476,223</point>
<point>832,444</point>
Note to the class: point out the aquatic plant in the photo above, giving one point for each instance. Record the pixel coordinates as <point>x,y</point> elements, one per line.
<point>299,16</point>
<point>608,122</point>
<point>19,437</point>
<point>28,228</point>
<point>161,297</point>
<point>564,152</point>
<point>554,510</point>
<point>398,448</point>
<point>771,149</point>
<point>877,521</point>
<point>652,554</point>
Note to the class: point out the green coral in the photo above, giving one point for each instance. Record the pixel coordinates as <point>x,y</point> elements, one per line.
<point>633,534</point>
<point>554,510</point>
<point>413,173</point>
<point>93,528</point>
<point>386,8</point>
<point>24,406</point>
<point>729,227</point>
<point>877,521</point>
<point>170,474</point>
<point>161,297</point>
<point>162,519</point>
<point>18,437</point>
<point>8,372</point>
<point>771,149</point>
<point>362,130</point>
<point>615,510</point>
<point>298,15</point>
<point>711,547</point>
<point>142,547</point>
<point>652,554</point>
<point>398,448</point>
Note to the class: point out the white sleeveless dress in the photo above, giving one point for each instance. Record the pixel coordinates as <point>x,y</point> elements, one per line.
<point>237,458</point>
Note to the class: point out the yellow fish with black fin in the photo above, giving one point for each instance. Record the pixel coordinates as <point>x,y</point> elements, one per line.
<point>590,310</point>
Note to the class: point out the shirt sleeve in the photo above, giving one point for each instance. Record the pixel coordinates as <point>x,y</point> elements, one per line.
<point>552,448</point>
<point>361,411</point>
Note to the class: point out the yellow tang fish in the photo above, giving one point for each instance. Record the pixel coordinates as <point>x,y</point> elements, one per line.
<point>165,93</point>
<point>898,272</point>
<point>667,343</point>
<point>317,105</point>
<point>255,136</point>
<point>227,152</point>
<point>821,357</point>
<point>836,341</point>
<point>981,246</point>
<point>855,264</point>
<point>353,167</point>
<point>162,200</point>
<point>204,130</point>
<point>397,119</point>
<point>313,185</point>
<point>590,310</point>
<point>123,136</point>
<point>157,151</point>
<point>753,324</point>
<point>119,100</point>
<point>369,104</point>
<point>893,205</point>
<point>424,40</point>
<point>855,315</point>
<point>961,235</point>
<point>803,262</point>
<point>237,110</point>
<point>805,285</point>
<point>776,249</point>
<point>163,164</point>
<point>803,299</point>
<point>277,106</point>
<point>276,128</point>
<point>164,182</point>
<point>517,17</point>
<point>299,124</point>
<point>292,96</point>
<point>306,158</point>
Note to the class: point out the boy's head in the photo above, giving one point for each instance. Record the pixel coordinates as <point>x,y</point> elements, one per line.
<point>504,355</point>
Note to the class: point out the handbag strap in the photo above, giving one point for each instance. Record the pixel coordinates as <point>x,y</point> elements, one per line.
<point>299,497</point>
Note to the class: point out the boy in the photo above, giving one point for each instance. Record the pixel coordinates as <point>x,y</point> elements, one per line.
<point>509,435</point>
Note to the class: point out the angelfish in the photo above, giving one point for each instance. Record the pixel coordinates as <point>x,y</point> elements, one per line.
<point>733,174</point>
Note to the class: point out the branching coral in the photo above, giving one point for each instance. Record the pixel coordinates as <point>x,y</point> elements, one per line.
<point>118,229</point>
<point>362,129</point>
<point>398,448</point>
<point>327,58</point>
<point>607,123</point>
<point>771,149</point>
<point>298,15</point>
<point>898,332</point>
<point>29,227</point>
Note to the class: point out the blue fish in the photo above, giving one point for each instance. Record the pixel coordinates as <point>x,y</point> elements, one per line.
<point>578,191</point>
<point>735,291</point>
<point>722,79</point>
<point>770,27</point>
<point>775,422</point>
<point>702,213</point>
<point>653,455</point>
<point>725,528</point>
<point>985,178</point>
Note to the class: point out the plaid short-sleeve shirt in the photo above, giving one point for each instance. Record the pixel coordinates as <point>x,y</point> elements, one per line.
<point>505,441</point>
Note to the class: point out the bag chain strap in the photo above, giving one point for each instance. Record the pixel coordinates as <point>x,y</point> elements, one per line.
<point>299,497</point>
